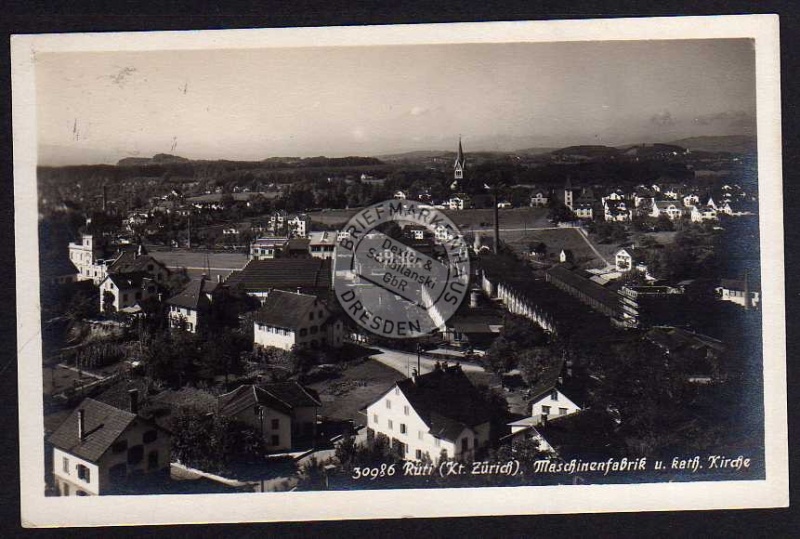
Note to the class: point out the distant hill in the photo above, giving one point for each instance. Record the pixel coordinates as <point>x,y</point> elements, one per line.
<point>535,151</point>
<point>158,159</point>
<point>654,150</point>
<point>587,151</point>
<point>729,143</point>
<point>414,156</point>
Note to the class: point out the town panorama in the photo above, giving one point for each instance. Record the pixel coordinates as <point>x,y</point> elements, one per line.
<point>610,331</point>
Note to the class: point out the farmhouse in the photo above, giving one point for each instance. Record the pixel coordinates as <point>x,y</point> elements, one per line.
<point>259,277</point>
<point>284,413</point>
<point>190,309</point>
<point>99,447</point>
<point>289,319</point>
<point>438,413</point>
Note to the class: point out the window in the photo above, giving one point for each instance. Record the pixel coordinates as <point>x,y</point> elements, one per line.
<point>84,473</point>
<point>135,454</point>
<point>546,410</point>
<point>554,395</point>
<point>562,411</point>
<point>65,464</point>
<point>314,330</point>
<point>152,460</point>
<point>119,446</point>
<point>66,489</point>
<point>276,440</point>
<point>390,425</point>
<point>437,442</point>
<point>311,316</point>
<point>388,404</point>
<point>303,332</point>
<point>405,410</point>
<point>464,445</point>
<point>375,418</point>
<point>150,436</point>
<point>420,434</point>
<point>403,428</point>
<point>397,391</point>
<point>276,423</point>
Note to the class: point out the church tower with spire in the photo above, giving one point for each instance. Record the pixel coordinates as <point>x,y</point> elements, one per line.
<point>458,166</point>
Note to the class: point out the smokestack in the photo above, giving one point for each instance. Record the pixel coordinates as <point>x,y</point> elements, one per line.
<point>133,399</point>
<point>105,198</point>
<point>81,424</point>
<point>496,225</point>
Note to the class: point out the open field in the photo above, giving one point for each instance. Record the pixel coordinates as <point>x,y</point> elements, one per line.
<point>467,219</point>
<point>558,239</point>
<point>357,386</point>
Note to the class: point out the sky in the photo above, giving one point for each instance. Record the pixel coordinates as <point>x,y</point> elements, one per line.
<point>98,107</point>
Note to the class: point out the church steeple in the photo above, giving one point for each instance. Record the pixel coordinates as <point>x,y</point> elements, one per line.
<point>458,166</point>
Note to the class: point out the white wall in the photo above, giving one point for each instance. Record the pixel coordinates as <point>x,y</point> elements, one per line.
<point>71,475</point>
<point>561,402</point>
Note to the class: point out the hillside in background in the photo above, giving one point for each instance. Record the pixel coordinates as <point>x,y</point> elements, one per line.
<point>730,144</point>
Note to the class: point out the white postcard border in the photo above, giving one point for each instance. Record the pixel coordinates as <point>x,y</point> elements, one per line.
<point>38,510</point>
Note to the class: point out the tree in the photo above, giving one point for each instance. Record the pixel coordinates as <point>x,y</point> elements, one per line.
<point>108,303</point>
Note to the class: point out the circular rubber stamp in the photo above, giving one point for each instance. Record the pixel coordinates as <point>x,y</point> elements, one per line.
<point>401,269</point>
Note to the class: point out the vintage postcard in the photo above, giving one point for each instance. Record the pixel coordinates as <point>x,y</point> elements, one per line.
<point>400,271</point>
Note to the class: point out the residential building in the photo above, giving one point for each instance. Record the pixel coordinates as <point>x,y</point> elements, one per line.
<point>124,291</point>
<point>289,319</point>
<point>666,207</point>
<point>459,202</point>
<point>585,290</point>
<point>322,244</point>
<point>547,399</point>
<point>284,413</point>
<point>298,225</point>
<point>438,413</point>
<point>190,309</point>
<point>138,261</point>
<point>740,292</point>
<point>583,211</point>
<point>539,199</point>
<point>268,247</point>
<point>628,258</point>
<point>617,211</point>
<point>701,214</point>
<point>99,448</point>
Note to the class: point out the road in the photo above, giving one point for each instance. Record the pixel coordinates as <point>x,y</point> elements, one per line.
<point>403,362</point>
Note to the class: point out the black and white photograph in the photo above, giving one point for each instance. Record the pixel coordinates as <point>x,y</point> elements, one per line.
<point>400,271</point>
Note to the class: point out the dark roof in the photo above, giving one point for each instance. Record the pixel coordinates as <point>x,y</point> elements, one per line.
<point>678,340</point>
<point>128,280</point>
<point>286,309</point>
<point>446,401</point>
<point>103,424</point>
<point>194,294</point>
<point>282,396</point>
<point>132,262</point>
<point>298,244</point>
<point>547,381</point>
<point>584,285</point>
<point>285,273</point>
<point>292,394</point>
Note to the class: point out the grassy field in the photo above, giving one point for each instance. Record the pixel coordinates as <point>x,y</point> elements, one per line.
<point>558,239</point>
<point>195,261</point>
<point>468,219</point>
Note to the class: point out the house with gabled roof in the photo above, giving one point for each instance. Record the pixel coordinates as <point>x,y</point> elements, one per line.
<point>124,292</point>
<point>190,308</point>
<point>547,398</point>
<point>289,319</point>
<point>284,413</point>
<point>259,277</point>
<point>425,416</point>
<point>669,208</point>
<point>99,447</point>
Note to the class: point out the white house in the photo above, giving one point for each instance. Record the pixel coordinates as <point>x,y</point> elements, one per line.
<point>666,207</point>
<point>703,213</point>
<point>283,413</point>
<point>125,290</point>
<point>438,413</point>
<point>267,247</point>
<point>289,319</point>
<point>458,202</point>
<point>616,211</point>
<point>583,211</point>
<point>86,256</point>
<point>400,195</point>
<point>504,205</point>
<point>322,244</point>
<point>190,308</point>
<point>298,225</point>
<point>539,199</point>
<point>627,258</point>
<point>98,447</point>
<point>739,292</point>
<point>547,398</point>
<point>691,200</point>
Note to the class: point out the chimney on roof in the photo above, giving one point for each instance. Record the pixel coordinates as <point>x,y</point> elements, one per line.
<point>81,424</point>
<point>133,400</point>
